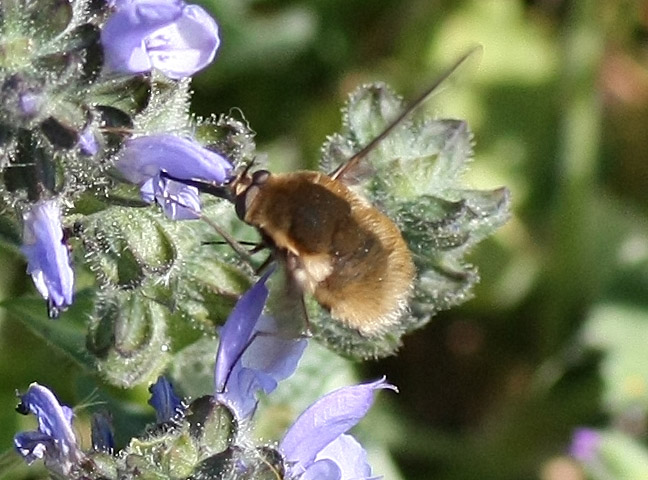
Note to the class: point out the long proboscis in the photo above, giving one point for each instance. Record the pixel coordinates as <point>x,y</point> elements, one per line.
<point>219,191</point>
<point>420,100</point>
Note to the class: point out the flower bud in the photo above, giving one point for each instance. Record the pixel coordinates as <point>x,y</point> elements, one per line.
<point>128,336</point>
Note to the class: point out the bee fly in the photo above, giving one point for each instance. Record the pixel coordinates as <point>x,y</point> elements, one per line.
<point>333,243</point>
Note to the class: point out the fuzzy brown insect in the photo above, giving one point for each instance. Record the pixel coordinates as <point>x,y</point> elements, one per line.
<point>335,245</point>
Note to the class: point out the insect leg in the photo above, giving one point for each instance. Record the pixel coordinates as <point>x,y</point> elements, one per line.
<point>231,241</point>
<point>256,246</point>
<point>242,242</point>
<point>266,263</point>
<point>218,191</point>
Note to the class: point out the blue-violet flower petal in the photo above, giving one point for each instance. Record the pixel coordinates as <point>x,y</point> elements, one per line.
<point>48,260</point>
<point>54,441</point>
<point>144,158</point>
<point>88,144</point>
<point>30,103</point>
<point>103,438</point>
<point>237,331</point>
<point>348,456</point>
<point>324,422</point>
<point>324,470</point>
<point>179,201</point>
<point>252,354</point>
<point>169,35</point>
<point>164,400</point>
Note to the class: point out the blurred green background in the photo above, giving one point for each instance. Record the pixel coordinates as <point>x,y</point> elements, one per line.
<point>556,335</point>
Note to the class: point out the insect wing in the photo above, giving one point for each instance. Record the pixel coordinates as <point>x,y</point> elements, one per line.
<point>286,301</point>
<point>416,180</point>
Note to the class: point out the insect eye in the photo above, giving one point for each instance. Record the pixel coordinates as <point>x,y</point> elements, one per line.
<point>244,200</point>
<point>260,177</point>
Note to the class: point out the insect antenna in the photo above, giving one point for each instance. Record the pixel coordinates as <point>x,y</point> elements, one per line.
<point>353,161</point>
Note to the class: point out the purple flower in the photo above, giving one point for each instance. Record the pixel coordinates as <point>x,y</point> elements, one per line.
<point>143,158</point>
<point>316,446</point>
<point>585,444</point>
<point>48,259</point>
<point>54,441</point>
<point>169,35</point>
<point>164,400</point>
<point>179,202</point>
<point>252,354</point>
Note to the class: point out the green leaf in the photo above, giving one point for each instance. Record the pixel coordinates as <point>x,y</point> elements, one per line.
<point>66,333</point>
